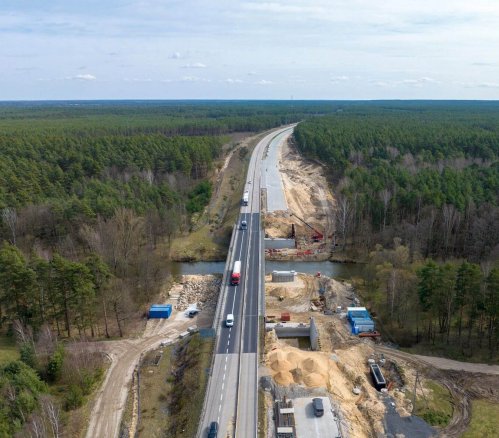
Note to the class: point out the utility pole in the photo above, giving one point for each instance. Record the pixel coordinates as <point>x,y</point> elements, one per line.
<point>414,395</point>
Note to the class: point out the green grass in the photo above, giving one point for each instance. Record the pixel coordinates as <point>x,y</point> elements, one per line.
<point>8,349</point>
<point>484,420</point>
<point>437,408</point>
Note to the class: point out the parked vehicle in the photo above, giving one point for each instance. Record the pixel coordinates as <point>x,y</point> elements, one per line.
<point>235,278</point>
<point>318,407</point>
<point>229,321</point>
<point>192,313</point>
<point>213,432</point>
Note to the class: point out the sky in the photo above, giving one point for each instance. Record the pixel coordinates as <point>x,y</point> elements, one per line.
<point>230,49</point>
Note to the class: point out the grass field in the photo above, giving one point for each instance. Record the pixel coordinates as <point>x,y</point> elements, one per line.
<point>171,407</point>
<point>436,408</point>
<point>484,420</point>
<point>8,349</point>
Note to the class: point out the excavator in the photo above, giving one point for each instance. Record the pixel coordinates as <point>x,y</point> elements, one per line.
<point>316,237</point>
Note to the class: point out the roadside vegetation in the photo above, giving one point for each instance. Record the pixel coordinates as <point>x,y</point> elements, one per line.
<point>172,386</point>
<point>484,420</point>
<point>436,406</point>
<point>417,191</point>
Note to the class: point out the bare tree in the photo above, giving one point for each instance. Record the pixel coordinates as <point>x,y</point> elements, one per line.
<point>36,427</point>
<point>343,215</point>
<point>52,413</point>
<point>22,333</point>
<point>385,196</point>
<point>9,216</point>
<point>451,218</point>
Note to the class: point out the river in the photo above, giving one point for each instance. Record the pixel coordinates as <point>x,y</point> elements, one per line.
<point>331,269</point>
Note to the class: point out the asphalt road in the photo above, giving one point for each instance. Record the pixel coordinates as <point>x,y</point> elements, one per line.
<point>232,395</point>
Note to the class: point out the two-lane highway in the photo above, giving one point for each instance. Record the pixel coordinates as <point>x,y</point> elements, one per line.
<point>232,394</point>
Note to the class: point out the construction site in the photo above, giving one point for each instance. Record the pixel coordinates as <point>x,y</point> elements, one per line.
<point>337,366</point>
<point>301,226</point>
<point>320,343</point>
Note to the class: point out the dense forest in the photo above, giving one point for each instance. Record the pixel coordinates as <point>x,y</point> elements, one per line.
<point>417,191</point>
<point>91,194</point>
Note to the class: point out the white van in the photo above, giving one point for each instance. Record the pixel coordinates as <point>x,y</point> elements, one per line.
<point>229,322</point>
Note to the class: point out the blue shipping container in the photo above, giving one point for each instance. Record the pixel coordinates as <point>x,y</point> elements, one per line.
<point>160,311</point>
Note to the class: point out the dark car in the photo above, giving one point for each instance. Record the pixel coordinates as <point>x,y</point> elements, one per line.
<point>318,407</point>
<point>213,432</point>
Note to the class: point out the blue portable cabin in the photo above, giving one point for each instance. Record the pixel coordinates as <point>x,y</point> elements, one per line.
<point>160,311</point>
<point>354,313</point>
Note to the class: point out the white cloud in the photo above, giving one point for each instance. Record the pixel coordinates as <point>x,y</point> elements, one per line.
<point>234,81</point>
<point>478,84</point>
<point>194,79</point>
<point>263,82</point>
<point>488,85</point>
<point>137,79</point>
<point>419,82</point>
<point>83,77</point>
<point>195,65</point>
<point>339,79</point>
<point>175,55</point>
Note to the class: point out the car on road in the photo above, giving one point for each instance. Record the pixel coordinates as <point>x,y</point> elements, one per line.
<point>318,407</point>
<point>213,432</point>
<point>229,321</point>
<point>244,225</point>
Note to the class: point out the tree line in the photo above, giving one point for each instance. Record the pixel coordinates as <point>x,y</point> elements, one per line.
<point>428,175</point>
<point>450,307</point>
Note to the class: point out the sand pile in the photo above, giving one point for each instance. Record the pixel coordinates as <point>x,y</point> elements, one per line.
<point>287,290</point>
<point>284,378</point>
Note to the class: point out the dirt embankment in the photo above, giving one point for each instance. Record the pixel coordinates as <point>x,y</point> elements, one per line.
<point>309,198</point>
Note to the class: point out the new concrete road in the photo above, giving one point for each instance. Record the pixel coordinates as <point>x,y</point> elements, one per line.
<point>232,395</point>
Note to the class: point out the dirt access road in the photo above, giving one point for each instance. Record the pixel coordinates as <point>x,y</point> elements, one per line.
<point>110,400</point>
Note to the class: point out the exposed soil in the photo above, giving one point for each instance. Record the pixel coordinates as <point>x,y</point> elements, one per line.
<point>309,198</point>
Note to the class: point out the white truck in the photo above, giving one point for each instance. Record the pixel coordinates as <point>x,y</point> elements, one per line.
<point>246,197</point>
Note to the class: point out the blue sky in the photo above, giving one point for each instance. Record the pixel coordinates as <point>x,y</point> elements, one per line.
<point>229,49</point>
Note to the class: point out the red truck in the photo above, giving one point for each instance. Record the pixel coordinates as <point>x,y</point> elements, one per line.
<point>236,273</point>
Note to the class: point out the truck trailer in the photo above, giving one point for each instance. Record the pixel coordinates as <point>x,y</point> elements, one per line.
<point>235,278</point>
<point>246,197</point>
